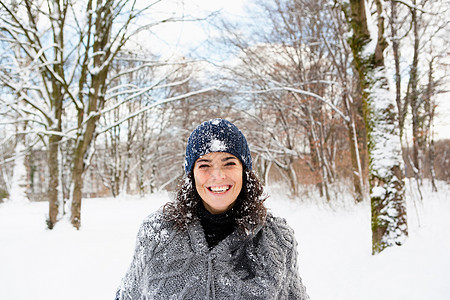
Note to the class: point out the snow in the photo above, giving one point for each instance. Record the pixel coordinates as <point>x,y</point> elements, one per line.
<point>216,122</point>
<point>217,146</point>
<point>373,31</point>
<point>334,248</point>
<point>386,149</point>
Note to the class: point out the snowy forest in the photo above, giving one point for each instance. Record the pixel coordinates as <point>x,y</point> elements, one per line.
<point>335,97</point>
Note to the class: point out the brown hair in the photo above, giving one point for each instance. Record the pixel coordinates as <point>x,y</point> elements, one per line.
<point>250,211</point>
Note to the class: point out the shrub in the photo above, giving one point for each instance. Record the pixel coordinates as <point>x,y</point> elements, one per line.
<point>3,195</point>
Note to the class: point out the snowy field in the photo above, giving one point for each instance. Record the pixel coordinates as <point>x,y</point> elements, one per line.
<point>334,249</point>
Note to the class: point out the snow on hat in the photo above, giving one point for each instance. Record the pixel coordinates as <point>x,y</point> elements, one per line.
<point>216,135</point>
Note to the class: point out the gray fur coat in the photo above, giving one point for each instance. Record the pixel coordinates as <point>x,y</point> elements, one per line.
<point>171,264</point>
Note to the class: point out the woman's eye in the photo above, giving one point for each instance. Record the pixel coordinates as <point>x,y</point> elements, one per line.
<point>231,163</point>
<point>203,166</point>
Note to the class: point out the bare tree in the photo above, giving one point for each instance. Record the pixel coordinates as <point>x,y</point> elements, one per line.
<point>389,226</point>
<point>36,82</point>
<point>420,26</point>
<point>60,59</point>
<point>298,64</point>
<point>426,26</point>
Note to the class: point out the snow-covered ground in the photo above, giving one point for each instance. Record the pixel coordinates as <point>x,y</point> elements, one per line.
<point>334,249</point>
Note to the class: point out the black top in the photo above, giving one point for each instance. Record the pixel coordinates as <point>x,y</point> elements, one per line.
<point>216,226</point>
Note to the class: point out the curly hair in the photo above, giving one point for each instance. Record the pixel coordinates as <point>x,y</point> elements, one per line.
<point>250,211</point>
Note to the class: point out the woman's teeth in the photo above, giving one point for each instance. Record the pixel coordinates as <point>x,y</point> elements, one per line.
<point>219,189</point>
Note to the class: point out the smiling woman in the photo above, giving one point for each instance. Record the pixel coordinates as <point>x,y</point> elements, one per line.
<point>218,180</point>
<point>217,240</point>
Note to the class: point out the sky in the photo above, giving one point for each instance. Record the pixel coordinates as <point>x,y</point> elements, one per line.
<point>188,34</point>
<point>442,124</point>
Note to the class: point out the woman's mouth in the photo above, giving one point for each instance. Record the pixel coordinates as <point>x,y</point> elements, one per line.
<point>219,189</point>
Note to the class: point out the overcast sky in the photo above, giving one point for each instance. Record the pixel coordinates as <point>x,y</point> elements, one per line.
<point>189,34</point>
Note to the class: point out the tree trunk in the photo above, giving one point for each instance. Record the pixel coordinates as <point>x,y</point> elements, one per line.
<point>389,225</point>
<point>55,124</point>
<point>314,144</point>
<point>84,142</point>
<point>293,178</point>
<point>429,110</point>
<point>87,122</point>
<point>357,170</point>
<point>77,187</point>
<point>79,165</point>
<point>402,107</point>
<point>413,96</point>
<point>431,157</point>
<point>53,186</point>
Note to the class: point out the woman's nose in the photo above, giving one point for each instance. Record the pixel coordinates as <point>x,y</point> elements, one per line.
<point>217,173</point>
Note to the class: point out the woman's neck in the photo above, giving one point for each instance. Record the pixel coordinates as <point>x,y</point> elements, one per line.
<point>216,226</point>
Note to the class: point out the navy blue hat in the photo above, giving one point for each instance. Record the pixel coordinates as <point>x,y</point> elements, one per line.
<point>216,135</point>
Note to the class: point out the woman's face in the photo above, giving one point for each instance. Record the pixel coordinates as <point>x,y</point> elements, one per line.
<point>218,180</point>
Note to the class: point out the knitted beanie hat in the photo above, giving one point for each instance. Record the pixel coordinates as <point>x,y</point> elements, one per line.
<point>216,135</point>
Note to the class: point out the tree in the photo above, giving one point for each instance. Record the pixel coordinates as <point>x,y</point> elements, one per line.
<point>299,91</point>
<point>140,143</point>
<point>59,63</point>
<point>389,225</point>
<point>423,25</point>
<point>36,82</point>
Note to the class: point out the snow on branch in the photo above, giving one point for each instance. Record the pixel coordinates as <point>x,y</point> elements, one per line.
<point>22,120</point>
<point>151,64</point>
<point>294,90</point>
<point>148,107</point>
<point>138,92</point>
<point>14,105</point>
<point>411,6</point>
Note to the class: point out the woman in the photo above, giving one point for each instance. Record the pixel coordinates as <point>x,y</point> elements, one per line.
<point>216,241</point>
